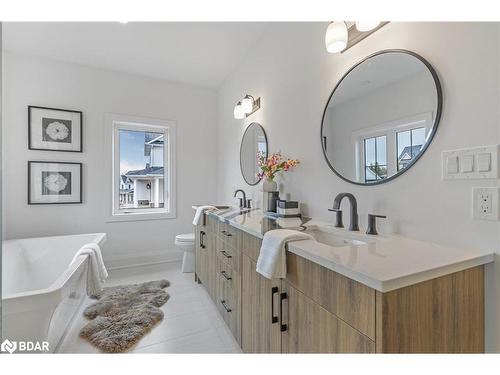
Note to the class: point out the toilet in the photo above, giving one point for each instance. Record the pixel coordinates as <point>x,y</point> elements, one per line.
<point>185,242</point>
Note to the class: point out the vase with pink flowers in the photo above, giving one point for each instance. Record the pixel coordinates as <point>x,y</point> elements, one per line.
<point>270,166</point>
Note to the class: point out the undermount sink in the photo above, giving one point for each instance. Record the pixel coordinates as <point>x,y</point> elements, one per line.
<point>330,238</point>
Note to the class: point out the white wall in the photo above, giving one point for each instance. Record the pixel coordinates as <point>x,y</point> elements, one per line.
<point>293,74</point>
<point>95,92</point>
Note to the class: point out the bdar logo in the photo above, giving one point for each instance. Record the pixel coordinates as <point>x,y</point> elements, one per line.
<point>8,346</point>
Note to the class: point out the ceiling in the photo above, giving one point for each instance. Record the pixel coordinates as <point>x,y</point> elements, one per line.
<point>197,53</point>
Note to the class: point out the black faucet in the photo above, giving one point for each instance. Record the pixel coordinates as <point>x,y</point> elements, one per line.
<point>243,201</point>
<point>372,223</point>
<point>354,211</point>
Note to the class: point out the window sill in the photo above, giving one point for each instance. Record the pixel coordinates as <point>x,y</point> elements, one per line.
<point>135,216</point>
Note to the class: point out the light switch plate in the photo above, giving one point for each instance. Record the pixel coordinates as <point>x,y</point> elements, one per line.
<point>452,164</point>
<point>485,204</point>
<point>481,168</point>
<point>484,162</point>
<point>468,163</point>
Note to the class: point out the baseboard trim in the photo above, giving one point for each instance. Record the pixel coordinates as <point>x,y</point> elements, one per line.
<point>143,259</point>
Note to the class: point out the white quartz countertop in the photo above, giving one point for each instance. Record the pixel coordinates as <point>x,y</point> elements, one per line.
<point>389,262</point>
<point>382,262</point>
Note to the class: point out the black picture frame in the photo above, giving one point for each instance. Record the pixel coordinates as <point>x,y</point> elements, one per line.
<point>432,133</point>
<point>30,134</point>
<point>31,162</point>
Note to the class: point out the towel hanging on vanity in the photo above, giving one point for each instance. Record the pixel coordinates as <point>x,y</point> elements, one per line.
<point>198,216</point>
<point>272,258</point>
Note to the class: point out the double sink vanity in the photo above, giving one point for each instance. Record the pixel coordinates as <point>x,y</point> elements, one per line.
<point>345,292</point>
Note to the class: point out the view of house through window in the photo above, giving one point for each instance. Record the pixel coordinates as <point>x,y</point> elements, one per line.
<point>409,144</point>
<point>142,174</point>
<point>375,158</point>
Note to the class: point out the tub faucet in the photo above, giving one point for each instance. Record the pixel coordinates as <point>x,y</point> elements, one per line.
<point>354,210</point>
<point>243,201</point>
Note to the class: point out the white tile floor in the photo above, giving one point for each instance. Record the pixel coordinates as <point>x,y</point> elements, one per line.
<point>191,323</point>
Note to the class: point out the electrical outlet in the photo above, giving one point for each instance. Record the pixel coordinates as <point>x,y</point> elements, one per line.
<point>485,203</point>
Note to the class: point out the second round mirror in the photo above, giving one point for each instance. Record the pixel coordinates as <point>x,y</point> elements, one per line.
<point>254,140</point>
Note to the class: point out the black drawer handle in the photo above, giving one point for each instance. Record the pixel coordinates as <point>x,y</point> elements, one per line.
<point>202,239</point>
<point>283,296</point>
<point>274,290</point>
<point>224,252</point>
<point>225,275</point>
<point>226,233</point>
<point>226,307</point>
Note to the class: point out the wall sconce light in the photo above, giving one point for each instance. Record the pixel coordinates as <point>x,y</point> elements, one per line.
<point>238,111</point>
<point>246,107</point>
<point>366,25</point>
<point>336,37</point>
<point>340,35</point>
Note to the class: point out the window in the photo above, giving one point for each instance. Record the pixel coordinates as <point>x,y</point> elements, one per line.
<point>409,145</point>
<point>375,151</point>
<point>142,168</point>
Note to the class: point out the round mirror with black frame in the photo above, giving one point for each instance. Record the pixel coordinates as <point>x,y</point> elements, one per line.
<point>254,141</point>
<point>381,117</point>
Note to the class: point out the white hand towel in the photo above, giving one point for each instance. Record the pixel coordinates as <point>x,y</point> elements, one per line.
<point>103,272</point>
<point>199,214</point>
<point>272,257</point>
<point>96,270</point>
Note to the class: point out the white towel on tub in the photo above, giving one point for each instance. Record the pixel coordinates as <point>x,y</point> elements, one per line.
<point>198,216</point>
<point>272,258</point>
<point>96,270</point>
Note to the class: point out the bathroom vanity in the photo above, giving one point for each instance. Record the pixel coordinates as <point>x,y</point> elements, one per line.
<point>344,292</point>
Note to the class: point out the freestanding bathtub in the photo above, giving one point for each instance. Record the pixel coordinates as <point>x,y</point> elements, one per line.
<point>41,290</point>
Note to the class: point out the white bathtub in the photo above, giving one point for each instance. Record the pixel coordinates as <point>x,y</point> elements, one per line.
<point>41,291</point>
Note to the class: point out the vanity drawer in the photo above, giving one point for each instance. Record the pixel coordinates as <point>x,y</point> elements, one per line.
<point>229,278</point>
<point>228,234</point>
<point>227,254</point>
<point>229,306</point>
<point>349,300</point>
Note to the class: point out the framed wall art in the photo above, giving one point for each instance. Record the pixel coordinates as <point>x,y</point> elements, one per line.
<point>53,129</point>
<point>54,182</point>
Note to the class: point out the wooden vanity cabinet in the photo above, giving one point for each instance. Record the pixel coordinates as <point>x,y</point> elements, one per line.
<point>316,310</point>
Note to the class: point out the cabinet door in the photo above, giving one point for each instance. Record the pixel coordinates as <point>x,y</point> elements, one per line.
<point>312,329</point>
<point>201,246</point>
<point>211,268</point>
<point>260,320</point>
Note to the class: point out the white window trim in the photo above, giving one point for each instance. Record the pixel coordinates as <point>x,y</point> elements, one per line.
<point>113,122</point>
<point>389,129</point>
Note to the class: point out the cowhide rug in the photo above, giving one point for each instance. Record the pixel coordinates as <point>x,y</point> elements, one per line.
<point>124,314</point>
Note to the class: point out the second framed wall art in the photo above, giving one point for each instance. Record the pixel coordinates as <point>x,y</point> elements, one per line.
<point>54,182</point>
